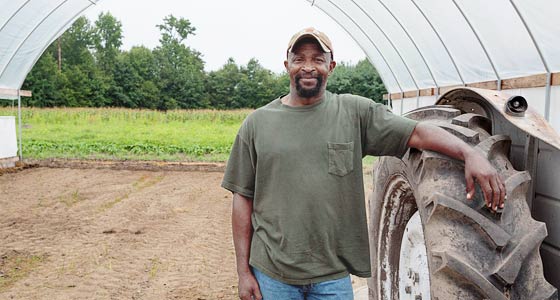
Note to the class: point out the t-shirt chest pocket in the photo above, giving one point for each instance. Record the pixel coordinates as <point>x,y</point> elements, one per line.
<point>341,158</point>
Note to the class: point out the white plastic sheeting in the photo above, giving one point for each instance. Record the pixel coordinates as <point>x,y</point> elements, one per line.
<point>414,44</point>
<point>27,28</point>
<point>8,147</point>
<point>433,43</point>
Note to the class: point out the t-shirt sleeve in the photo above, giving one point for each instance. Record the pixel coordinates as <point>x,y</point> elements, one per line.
<point>239,176</point>
<point>386,133</point>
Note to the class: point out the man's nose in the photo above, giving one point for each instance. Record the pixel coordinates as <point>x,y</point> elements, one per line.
<point>308,67</point>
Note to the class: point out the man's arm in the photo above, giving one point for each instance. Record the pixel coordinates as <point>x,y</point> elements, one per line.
<point>242,235</point>
<point>477,167</point>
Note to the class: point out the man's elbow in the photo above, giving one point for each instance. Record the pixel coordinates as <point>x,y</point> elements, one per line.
<point>416,137</point>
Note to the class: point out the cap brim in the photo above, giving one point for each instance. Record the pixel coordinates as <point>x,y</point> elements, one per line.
<point>323,46</point>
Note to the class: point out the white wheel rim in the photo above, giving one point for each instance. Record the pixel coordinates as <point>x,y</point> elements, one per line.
<point>414,274</point>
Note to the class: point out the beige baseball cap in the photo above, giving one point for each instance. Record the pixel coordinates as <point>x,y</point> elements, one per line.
<point>321,38</point>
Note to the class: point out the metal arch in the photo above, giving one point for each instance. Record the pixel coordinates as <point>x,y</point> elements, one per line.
<point>359,45</point>
<point>390,42</point>
<point>441,41</point>
<point>545,64</point>
<point>58,33</point>
<point>27,37</point>
<point>374,45</point>
<point>413,42</point>
<point>499,87</point>
<point>14,14</point>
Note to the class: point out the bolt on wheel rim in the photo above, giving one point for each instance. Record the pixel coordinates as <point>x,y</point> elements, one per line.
<point>414,274</point>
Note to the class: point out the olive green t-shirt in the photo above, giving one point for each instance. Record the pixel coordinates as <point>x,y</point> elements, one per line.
<point>303,168</point>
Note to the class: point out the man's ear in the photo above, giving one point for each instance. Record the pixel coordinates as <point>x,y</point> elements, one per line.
<point>332,65</point>
<point>286,65</point>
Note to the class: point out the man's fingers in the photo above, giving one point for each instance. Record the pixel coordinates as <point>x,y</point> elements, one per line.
<point>496,194</point>
<point>487,191</point>
<point>502,193</point>
<point>257,293</point>
<point>470,187</point>
<point>245,296</point>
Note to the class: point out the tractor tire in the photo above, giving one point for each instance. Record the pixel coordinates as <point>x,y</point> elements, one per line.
<point>472,253</point>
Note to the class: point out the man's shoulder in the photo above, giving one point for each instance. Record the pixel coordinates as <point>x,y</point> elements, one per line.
<point>353,101</point>
<point>260,113</point>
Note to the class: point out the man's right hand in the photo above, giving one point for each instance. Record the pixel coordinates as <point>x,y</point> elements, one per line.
<point>248,287</point>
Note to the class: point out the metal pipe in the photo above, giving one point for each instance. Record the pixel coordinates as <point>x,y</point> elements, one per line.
<point>27,37</point>
<point>14,14</point>
<point>402,103</point>
<point>374,45</point>
<point>543,60</point>
<point>413,42</point>
<point>359,45</point>
<point>20,127</point>
<point>390,42</point>
<point>547,96</point>
<point>481,44</point>
<point>441,41</point>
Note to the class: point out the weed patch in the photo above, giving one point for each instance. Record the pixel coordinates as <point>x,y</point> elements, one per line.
<point>16,265</point>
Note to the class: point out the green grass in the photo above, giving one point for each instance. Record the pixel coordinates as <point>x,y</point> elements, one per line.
<point>126,134</point>
<point>367,162</point>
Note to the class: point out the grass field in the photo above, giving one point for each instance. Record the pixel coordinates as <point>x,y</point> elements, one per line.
<point>127,134</point>
<point>114,133</point>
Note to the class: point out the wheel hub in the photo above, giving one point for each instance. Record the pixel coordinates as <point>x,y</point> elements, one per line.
<point>414,274</point>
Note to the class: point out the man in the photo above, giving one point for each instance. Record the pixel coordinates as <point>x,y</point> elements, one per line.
<point>299,222</point>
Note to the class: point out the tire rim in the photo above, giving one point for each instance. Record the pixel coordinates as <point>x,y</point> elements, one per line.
<point>399,206</point>
<point>414,274</point>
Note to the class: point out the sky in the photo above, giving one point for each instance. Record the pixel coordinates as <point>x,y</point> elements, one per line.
<point>240,29</point>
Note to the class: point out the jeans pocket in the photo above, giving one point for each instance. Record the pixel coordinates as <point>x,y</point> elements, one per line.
<point>341,158</point>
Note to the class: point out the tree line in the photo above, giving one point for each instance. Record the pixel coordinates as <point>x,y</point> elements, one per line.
<point>86,67</point>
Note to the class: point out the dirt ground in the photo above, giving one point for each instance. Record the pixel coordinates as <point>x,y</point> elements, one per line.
<point>88,233</point>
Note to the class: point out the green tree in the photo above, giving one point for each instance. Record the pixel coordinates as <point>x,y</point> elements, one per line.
<point>86,84</point>
<point>135,74</point>
<point>46,82</point>
<point>257,86</point>
<point>252,85</point>
<point>76,43</point>
<point>107,40</point>
<point>180,68</point>
<point>79,83</point>
<point>361,79</point>
<point>222,86</point>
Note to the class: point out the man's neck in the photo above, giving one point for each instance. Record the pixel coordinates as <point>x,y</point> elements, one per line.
<point>293,99</point>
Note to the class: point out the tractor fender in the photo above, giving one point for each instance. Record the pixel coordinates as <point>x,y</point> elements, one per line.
<point>513,108</point>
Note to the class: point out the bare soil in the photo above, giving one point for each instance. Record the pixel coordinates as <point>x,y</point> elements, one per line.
<point>69,233</point>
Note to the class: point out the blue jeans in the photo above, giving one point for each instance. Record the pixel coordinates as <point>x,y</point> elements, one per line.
<point>272,289</point>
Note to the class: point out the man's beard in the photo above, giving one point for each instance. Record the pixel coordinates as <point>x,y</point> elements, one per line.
<point>308,93</point>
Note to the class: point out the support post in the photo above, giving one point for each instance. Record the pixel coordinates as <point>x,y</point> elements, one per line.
<point>402,103</point>
<point>547,96</point>
<point>19,125</point>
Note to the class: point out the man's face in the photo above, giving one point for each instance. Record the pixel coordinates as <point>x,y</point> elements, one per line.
<point>309,67</point>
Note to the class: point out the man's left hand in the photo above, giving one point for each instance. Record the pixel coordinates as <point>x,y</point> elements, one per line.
<point>477,167</point>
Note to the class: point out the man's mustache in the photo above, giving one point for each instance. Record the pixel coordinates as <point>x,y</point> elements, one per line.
<point>298,77</point>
